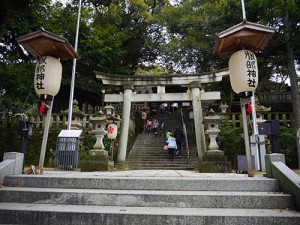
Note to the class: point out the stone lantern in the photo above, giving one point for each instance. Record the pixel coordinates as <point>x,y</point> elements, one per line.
<point>110,110</point>
<point>99,123</point>
<point>259,113</point>
<point>223,107</point>
<point>214,160</point>
<point>213,120</point>
<point>77,116</point>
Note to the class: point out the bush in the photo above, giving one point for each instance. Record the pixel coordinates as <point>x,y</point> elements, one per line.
<point>230,141</point>
<point>287,142</point>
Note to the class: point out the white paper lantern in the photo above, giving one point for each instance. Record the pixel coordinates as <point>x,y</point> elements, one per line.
<point>47,77</point>
<point>243,71</point>
<point>112,131</point>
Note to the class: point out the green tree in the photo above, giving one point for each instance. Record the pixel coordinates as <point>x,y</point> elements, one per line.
<point>16,70</point>
<point>284,15</point>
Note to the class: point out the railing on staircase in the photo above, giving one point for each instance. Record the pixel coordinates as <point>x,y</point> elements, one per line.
<point>185,137</point>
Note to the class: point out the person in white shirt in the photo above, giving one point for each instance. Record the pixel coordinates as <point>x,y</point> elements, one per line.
<point>172,146</point>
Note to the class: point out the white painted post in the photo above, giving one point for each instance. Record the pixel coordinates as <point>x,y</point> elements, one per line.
<point>45,137</point>
<point>246,138</point>
<point>125,122</point>
<point>198,118</point>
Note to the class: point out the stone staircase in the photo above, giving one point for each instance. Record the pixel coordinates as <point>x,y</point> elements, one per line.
<point>147,151</point>
<point>133,199</point>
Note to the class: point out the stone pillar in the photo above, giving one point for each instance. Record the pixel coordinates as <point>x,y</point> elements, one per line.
<point>125,122</point>
<point>198,118</point>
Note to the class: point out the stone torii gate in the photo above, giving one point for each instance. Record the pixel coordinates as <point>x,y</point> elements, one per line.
<point>194,94</point>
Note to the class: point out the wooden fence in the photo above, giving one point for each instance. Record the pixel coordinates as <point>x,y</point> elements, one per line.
<point>59,121</point>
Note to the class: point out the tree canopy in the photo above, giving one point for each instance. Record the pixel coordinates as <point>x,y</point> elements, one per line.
<point>123,37</point>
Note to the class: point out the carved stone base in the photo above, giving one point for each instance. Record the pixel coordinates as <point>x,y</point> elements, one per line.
<point>215,163</point>
<point>90,163</point>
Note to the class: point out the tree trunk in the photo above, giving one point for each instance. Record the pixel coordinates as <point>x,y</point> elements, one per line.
<point>292,72</point>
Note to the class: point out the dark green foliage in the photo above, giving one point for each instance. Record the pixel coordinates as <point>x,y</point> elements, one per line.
<point>10,142</point>
<point>231,141</point>
<point>288,145</point>
<point>139,123</point>
<point>87,142</point>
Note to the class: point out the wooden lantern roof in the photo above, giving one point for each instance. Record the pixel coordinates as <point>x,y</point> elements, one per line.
<point>247,35</point>
<point>43,43</point>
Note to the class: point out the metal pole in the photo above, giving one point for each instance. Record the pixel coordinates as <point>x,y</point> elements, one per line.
<point>298,147</point>
<point>255,130</point>
<point>73,70</point>
<point>45,138</point>
<point>244,11</point>
<point>246,138</point>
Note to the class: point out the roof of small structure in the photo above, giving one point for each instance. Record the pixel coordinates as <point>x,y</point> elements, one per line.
<point>250,36</point>
<point>44,43</point>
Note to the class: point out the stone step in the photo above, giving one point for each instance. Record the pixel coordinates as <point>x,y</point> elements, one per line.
<point>93,181</point>
<point>164,159</point>
<point>29,213</point>
<point>162,166</point>
<point>148,198</point>
<point>144,197</point>
<point>158,167</point>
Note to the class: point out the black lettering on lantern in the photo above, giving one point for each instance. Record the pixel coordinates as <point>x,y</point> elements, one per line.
<point>251,66</point>
<point>40,75</point>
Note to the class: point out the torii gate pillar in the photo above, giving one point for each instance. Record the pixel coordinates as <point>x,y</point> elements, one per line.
<point>125,122</point>
<point>198,118</point>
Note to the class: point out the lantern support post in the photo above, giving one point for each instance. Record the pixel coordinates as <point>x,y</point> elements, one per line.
<point>255,133</point>
<point>246,137</point>
<point>45,136</point>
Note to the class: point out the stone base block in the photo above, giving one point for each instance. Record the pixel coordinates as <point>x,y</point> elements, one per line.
<point>98,152</point>
<point>122,166</point>
<point>216,153</point>
<point>92,163</point>
<point>215,167</point>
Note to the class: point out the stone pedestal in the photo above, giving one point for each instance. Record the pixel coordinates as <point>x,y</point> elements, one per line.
<point>214,160</point>
<point>90,163</point>
<point>215,163</point>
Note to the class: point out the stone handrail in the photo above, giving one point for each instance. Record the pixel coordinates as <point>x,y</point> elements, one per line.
<point>289,181</point>
<point>185,138</point>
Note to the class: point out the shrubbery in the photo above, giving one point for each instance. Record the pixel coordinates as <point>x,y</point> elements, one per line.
<point>288,145</point>
<point>232,143</point>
